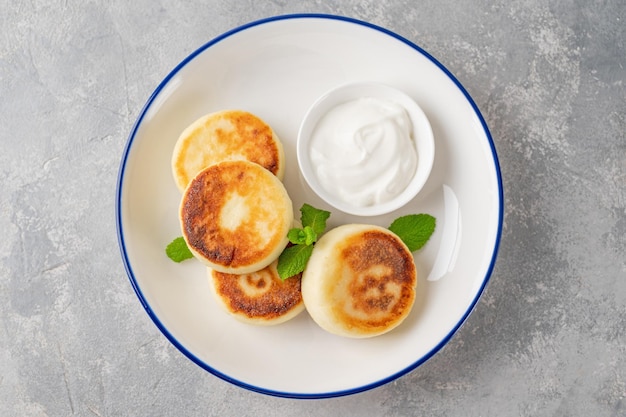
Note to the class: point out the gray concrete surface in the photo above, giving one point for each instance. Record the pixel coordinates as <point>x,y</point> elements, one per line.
<point>548,338</point>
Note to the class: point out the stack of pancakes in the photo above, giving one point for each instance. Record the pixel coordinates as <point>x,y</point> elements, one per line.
<point>235,214</point>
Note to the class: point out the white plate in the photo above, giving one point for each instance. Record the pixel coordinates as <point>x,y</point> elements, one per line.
<point>276,68</point>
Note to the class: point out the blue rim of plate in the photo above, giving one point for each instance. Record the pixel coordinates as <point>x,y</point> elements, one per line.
<point>129,269</point>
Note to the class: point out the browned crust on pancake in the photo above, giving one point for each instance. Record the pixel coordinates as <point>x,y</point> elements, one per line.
<point>276,297</point>
<point>248,138</point>
<point>375,260</point>
<point>202,209</point>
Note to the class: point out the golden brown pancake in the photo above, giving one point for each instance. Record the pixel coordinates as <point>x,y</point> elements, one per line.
<point>235,216</point>
<point>226,135</point>
<point>360,281</point>
<point>260,297</point>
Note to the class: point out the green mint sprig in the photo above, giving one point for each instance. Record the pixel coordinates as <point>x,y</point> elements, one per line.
<point>178,250</point>
<point>294,258</point>
<point>414,229</point>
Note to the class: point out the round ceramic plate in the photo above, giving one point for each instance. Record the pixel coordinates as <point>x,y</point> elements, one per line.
<point>276,68</point>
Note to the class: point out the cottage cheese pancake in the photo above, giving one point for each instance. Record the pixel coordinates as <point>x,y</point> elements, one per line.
<point>235,216</point>
<point>360,281</point>
<point>226,135</point>
<point>260,298</point>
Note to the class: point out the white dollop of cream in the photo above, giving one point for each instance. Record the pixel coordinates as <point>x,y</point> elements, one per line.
<point>363,152</point>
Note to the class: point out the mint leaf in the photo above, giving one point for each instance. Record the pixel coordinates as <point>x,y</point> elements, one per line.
<point>306,236</point>
<point>296,236</point>
<point>313,217</point>
<point>414,229</point>
<point>310,237</point>
<point>177,250</point>
<point>293,260</point>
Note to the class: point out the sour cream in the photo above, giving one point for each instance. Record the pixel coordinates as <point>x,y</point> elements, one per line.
<point>363,151</point>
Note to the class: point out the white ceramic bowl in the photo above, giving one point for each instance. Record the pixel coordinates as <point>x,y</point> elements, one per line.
<point>421,133</point>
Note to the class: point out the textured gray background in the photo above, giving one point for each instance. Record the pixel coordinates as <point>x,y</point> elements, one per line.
<point>548,338</point>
